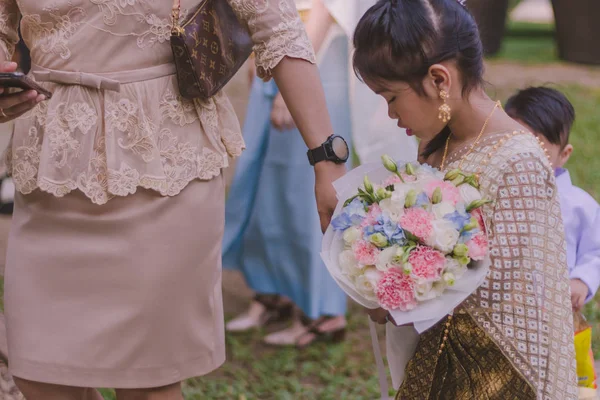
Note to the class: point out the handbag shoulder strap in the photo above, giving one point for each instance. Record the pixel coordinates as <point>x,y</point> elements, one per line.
<point>175,13</point>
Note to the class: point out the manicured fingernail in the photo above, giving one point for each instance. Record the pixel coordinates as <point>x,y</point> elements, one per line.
<point>10,64</point>
<point>41,98</point>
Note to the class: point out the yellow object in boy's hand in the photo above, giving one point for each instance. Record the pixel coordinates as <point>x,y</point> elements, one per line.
<point>579,292</point>
<point>586,374</point>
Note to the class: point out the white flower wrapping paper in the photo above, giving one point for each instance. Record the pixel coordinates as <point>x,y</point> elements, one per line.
<point>427,313</point>
<point>401,340</point>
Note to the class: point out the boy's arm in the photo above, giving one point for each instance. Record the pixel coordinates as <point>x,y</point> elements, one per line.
<point>587,264</point>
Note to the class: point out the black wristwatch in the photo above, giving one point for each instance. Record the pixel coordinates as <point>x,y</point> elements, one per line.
<point>334,149</point>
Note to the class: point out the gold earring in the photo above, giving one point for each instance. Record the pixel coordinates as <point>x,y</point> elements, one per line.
<point>445,111</point>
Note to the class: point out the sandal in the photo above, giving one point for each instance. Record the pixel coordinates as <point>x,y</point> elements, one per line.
<point>317,334</point>
<point>277,309</point>
<point>264,310</point>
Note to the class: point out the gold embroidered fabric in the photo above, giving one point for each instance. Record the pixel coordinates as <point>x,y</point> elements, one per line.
<point>113,124</point>
<point>470,367</point>
<point>523,306</point>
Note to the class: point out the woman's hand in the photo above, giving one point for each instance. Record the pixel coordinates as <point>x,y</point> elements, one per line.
<point>251,72</point>
<point>16,104</point>
<point>326,172</point>
<point>280,115</point>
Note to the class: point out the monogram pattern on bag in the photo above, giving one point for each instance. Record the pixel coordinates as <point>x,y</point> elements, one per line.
<point>206,54</point>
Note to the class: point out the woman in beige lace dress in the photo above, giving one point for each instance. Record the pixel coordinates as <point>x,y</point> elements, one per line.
<point>119,211</point>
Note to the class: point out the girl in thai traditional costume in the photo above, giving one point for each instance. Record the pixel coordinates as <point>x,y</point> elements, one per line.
<point>512,337</point>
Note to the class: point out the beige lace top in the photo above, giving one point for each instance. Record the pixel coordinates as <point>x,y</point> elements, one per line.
<point>524,304</point>
<point>115,121</point>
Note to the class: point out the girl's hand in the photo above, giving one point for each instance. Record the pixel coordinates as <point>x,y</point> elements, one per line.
<point>382,317</point>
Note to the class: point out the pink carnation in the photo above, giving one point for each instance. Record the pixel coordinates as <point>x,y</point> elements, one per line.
<point>479,216</point>
<point>427,263</point>
<point>395,179</point>
<point>372,215</point>
<point>418,222</point>
<point>478,247</point>
<point>365,253</point>
<point>450,193</point>
<point>396,291</point>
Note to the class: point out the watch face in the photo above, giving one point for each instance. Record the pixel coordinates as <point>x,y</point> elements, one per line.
<point>340,148</point>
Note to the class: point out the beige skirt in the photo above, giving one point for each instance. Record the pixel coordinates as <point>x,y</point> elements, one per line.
<point>123,295</point>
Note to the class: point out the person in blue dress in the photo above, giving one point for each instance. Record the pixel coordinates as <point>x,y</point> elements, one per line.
<point>272,232</point>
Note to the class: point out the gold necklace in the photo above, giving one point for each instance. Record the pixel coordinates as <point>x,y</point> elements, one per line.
<point>497,104</point>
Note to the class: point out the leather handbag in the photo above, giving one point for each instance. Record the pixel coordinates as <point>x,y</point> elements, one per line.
<point>209,47</point>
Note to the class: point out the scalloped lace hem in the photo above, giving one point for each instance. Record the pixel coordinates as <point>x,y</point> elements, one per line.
<point>100,197</point>
<point>100,187</point>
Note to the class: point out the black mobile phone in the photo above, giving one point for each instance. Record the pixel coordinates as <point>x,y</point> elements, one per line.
<point>21,81</point>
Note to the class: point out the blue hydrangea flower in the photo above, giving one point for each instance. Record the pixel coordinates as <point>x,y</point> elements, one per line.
<point>422,200</point>
<point>353,214</point>
<point>467,235</point>
<point>392,231</point>
<point>459,218</point>
<point>429,168</point>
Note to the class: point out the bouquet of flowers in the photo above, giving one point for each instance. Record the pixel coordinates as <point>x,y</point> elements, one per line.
<point>408,238</point>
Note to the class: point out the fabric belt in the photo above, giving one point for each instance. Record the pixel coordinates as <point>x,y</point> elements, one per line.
<point>105,81</point>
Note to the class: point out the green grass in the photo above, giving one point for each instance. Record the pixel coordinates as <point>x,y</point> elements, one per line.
<point>584,165</point>
<point>528,44</point>
<point>347,370</point>
<point>255,371</point>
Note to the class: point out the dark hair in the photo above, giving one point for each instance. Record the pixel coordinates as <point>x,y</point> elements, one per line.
<point>399,40</point>
<point>546,111</point>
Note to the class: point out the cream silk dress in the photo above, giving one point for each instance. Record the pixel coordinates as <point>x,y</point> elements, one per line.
<point>113,275</point>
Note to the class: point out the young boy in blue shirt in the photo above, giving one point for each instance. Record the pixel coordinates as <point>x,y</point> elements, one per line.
<point>549,115</point>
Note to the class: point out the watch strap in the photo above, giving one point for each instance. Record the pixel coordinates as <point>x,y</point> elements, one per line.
<point>317,155</point>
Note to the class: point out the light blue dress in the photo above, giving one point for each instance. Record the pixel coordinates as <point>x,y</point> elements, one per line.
<point>272,231</point>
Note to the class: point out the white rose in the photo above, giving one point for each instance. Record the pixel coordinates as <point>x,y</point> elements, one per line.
<point>423,178</point>
<point>348,263</point>
<point>428,290</point>
<point>400,192</point>
<point>454,267</point>
<point>468,193</point>
<point>422,181</point>
<point>393,208</point>
<point>366,283</point>
<point>442,209</point>
<point>351,235</point>
<point>385,259</point>
<point>449,278</point>
<point>444,236</point>
<point>423,291</point>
